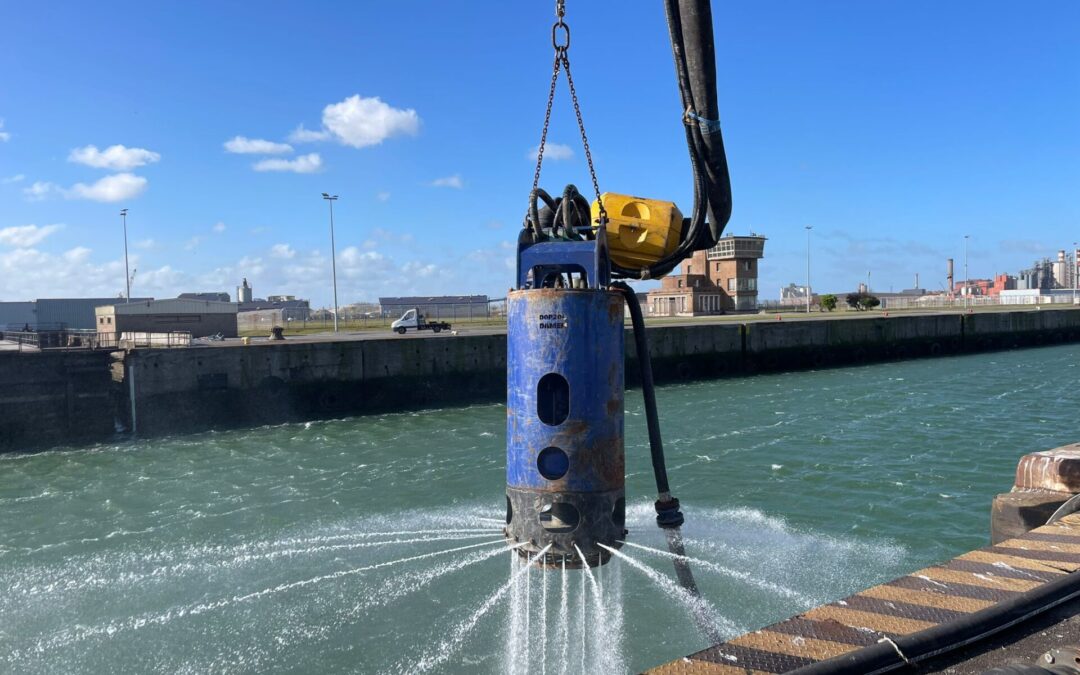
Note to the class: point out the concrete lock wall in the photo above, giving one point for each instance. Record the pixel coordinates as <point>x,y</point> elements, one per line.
<point>50,398</point>
<point>192,389</point>
<point>182,390</point>
<point>199,388</point>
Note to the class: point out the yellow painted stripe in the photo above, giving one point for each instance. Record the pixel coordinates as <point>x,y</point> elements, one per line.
<point>1013,561</point>
<point>858,619</point>
<point>926,599</point>
<point>984,580</point>
<point>688,666</point>
<point>793,645</point>
<point>1039,545</point>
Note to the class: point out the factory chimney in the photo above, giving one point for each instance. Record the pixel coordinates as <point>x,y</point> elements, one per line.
<point>916,281</point>
<point>949,274</point>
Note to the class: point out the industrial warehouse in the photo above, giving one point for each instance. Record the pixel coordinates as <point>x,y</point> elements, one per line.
<point>200,318</point>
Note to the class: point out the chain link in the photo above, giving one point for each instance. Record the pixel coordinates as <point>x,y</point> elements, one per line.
<point>584,138</point>
<point>547,121</point>
<point>562,60</point>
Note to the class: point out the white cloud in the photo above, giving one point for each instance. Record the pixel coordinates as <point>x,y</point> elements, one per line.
<point>302,164</point>
<point>359,122</point>
<point>25,236</point>
<point>553,151</point>
<point>17,178</point>
<point>193,243</point>
<point>77,255</point>
<point>382,196</point>
<point>219,227</point>
<point>417,269</point>
<point>283,251</point>
<point>114,157</point>
<point>242,145</point>
<point>454,181</point>
<point>32,273</point>
<point>115,188</point>
<point>145,244</point>
<point>303,135</point>
<point>40,190</point>
<point>353,257</point>
<point>4,135</point>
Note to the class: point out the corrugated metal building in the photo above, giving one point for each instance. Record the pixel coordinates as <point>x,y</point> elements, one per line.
<point>437,306</point>
<point>73,312</point>
<point>198,317</point>
<point>17,315</point>
<point>290,310</point>
<point>55,313</point>
<point>219,296</point>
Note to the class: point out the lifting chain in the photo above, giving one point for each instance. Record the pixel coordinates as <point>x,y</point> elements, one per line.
<point>560,29</point>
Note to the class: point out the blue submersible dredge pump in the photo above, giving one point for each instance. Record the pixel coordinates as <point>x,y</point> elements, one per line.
<point>565,462</point>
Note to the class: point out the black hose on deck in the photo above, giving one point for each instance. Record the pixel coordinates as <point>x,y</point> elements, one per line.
<point>906,650</point>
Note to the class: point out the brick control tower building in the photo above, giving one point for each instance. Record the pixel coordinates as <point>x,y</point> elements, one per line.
<point>716,281</point>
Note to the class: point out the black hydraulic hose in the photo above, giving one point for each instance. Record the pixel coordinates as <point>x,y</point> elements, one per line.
<point>668,515</point>
<point>700,55</point>
<point>656,443</point>
<point>909,649</point>
<point>691,33</point>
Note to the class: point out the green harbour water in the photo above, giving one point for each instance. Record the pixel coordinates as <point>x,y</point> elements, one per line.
<point>269,549</point>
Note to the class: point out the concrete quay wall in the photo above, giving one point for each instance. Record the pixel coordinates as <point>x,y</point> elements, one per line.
<point>56,397</point>
<point>208,387</point>
<point>178,390</point>
<point>50,398</point>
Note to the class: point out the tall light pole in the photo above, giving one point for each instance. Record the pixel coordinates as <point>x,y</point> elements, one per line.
<point>127,274</point>
<point>808,228</point>
<point>967,280</point>
<point>333,255</point>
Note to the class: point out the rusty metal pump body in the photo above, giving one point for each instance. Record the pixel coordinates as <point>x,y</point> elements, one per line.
<point>564,420</point>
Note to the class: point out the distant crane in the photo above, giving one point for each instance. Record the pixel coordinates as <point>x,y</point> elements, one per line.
<point>131,282</point>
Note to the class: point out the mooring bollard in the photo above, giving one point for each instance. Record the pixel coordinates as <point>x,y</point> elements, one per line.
<point>1045,480</point>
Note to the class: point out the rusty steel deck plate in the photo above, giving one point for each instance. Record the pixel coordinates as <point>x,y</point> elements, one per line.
<point>921,600</point>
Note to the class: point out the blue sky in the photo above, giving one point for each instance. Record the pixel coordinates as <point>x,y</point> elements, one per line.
<point>893,127</point>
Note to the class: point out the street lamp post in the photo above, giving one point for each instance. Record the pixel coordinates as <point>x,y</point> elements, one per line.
<point>127,273</point>
<point>808,228</point>
<point>967,280</point>
<point>333,255</point>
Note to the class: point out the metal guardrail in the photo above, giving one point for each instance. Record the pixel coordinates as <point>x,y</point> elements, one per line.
<point>89,339</point>
<point>135,340</point>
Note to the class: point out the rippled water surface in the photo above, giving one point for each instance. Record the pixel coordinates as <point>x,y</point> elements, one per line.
<point>269,549</point>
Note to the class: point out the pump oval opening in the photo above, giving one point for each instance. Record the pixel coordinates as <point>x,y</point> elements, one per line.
<point>553,399</point>
<point>559,518</point>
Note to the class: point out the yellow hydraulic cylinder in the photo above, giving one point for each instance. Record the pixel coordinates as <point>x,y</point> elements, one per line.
<point>639,231</point>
